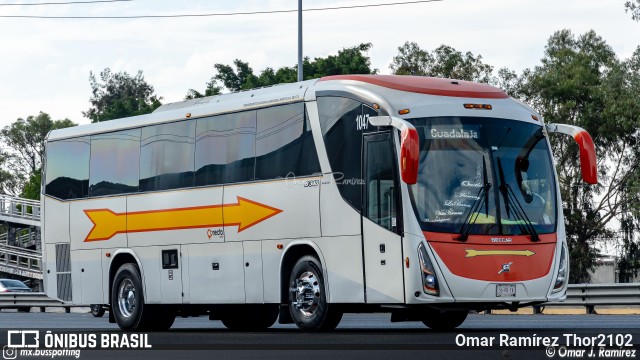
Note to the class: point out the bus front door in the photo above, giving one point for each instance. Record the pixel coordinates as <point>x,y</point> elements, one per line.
<point>381,241</point>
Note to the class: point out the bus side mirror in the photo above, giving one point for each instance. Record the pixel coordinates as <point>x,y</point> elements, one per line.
<point>409,146</point>
<point>587,149</point>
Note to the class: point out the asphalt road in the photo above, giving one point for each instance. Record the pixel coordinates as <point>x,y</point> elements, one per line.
<point>359,336</point>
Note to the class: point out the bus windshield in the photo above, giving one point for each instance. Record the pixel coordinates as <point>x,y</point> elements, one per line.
<point>468,165</point>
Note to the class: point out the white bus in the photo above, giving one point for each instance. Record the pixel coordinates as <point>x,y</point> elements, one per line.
<point>421,197</point>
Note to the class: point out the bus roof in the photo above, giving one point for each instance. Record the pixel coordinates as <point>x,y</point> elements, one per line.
<point>427,85</point>
<point>283,94</point>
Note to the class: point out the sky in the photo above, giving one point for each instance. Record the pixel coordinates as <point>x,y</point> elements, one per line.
<point>45,64</point>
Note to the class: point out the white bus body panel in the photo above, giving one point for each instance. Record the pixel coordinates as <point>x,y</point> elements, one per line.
<point>88,265</point>
<point>222,286</point>
<point>82,225</point>
<point>176,199</point>
<point>56,218</point>
<point>253,277</point>
<point>296,198</point>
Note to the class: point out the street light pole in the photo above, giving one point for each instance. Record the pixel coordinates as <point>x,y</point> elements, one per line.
<point>300,77</point>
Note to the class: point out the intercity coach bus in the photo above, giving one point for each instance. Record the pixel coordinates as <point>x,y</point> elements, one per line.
<point>421,197</point>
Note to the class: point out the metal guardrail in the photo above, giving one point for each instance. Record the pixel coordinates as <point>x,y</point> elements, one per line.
<point>590,295</point>
<point>19,261</point>
<point>22,300</point>
<point>23,211</point>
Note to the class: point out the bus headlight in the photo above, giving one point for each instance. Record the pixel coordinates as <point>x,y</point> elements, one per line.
<point>561,279</point>
<point>429,278</point>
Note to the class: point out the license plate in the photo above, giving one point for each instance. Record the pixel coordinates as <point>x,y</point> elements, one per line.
<point>505,290</point>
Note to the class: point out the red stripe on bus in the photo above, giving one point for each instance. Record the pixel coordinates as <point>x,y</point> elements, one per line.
<point>427,85</point>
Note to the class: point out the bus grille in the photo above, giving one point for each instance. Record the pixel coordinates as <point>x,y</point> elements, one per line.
<point>63,270</point>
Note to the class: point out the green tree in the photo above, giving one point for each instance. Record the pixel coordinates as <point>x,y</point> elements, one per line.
<point>8,180</point>
<point>444,62</point>
<point>118,95</point>
<point>240,76</point>
<point>212,89</point>
<point>26,140</point>
<point>633,6</point>
<point>582,82</point>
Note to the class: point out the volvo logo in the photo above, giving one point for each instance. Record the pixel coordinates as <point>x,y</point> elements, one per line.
<point>501,240</point>
<point>505,268</point>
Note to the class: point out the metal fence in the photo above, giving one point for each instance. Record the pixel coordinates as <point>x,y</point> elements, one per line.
<point>590,295</point>
<point>25,301</point>
<point>23,211</point>
<point>20,261</point>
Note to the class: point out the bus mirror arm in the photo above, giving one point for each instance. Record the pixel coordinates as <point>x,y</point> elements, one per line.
<point>409,145</point>
<point>587,149</point>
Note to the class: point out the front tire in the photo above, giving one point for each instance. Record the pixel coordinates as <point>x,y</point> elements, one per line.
<point>444,320</point>
<point>127,301</point>
<point>307,297</point>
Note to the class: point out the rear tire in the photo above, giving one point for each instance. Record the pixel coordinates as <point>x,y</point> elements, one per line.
<point>97,310</point>
<point>307,297</point>
<point>444,320</point>
<point>127,301</point>
<point>250,317</point>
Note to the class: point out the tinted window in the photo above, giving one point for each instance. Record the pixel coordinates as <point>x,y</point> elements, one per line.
<point>225,148</point>
<point>284,143</point>
<point>67,173</point>
<point>115,163</point>
<point>167,156</point>
<point>342,126</point>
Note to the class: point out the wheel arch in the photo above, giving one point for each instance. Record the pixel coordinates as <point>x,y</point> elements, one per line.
<point>121,257</point>
<point>294,251</point>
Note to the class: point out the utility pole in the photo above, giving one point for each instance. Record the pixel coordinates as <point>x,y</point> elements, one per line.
<point>300,77</point>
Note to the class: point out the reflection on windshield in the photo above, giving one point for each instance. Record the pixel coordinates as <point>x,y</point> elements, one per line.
<point>450,181</point>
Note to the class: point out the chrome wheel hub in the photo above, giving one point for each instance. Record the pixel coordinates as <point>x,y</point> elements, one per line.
<point>126,297</point>
<point>306,293</point>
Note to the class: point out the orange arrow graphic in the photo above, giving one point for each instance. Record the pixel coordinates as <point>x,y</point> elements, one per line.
<point>244,214</point>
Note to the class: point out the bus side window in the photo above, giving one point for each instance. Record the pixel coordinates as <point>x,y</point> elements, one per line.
<point>115,163</point>
<point>67,173</point>
<point>341,124</point>
<point>166,156</point>
<point>225,148</point>
<point>284,143</point>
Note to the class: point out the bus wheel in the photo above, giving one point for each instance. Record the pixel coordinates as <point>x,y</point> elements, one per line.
<point>251,317</point>
<point>444,320</point>
<point>127,301</point>
<point>97,310</point>
<point>307,299</point>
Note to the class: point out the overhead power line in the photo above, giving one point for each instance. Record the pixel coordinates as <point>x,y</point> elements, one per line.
<point>65,3</point>
<point>217,14</point>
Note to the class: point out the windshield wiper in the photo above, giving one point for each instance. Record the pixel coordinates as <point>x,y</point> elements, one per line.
<point>483,196</point>
<point>518,210</point>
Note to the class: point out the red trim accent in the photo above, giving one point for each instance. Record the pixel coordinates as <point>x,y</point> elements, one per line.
<point>427,85</point>
<point>486,239</point>
<point>409,155</point>
<point>587,157</point>
<point>530,260</point>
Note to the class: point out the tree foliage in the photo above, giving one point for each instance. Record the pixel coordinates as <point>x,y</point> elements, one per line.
<point>26,139</point>
<point>444,62</point>
<point>118,95</point>
<point>633,6</point>
<point>582,82</point>
<point>240,76</point>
